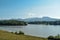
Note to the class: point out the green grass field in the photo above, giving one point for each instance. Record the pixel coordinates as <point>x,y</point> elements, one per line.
<point>4,35</point>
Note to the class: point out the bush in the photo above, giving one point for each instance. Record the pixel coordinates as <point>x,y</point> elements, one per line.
<point>16,33</point>
<point>12,32</point>
<point>20,32</point>
<point>50,37</point>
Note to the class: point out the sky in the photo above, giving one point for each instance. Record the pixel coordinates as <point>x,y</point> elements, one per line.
<point>29,8</point>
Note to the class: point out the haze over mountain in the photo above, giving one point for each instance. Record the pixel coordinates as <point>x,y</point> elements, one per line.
<point>38,19</point>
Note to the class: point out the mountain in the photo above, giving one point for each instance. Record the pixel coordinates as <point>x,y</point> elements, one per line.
<point>39,19</point>
<point>48,19</point>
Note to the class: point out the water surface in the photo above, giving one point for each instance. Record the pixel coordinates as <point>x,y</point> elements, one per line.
<point>34,30</point>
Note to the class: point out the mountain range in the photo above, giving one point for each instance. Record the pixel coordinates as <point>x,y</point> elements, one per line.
<point>38,19</point>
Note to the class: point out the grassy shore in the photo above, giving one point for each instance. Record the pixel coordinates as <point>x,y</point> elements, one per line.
<point>4,35</point>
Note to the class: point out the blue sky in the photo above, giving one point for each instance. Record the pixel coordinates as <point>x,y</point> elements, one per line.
<point>29,8</point>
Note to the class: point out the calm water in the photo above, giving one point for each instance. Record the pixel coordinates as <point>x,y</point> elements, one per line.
<point>34,30</point>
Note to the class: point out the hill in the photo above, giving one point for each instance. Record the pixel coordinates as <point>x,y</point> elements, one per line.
<point>38,19</point>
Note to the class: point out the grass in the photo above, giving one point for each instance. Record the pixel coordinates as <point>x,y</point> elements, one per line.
<point>4,35</point>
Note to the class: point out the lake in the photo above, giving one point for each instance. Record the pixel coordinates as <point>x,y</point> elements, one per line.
<point>34,30</point>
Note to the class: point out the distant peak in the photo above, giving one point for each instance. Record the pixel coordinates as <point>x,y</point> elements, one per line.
<point>45,17</point>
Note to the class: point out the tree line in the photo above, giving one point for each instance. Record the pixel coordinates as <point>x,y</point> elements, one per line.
<point>46,22</point>
<point>12,22</point>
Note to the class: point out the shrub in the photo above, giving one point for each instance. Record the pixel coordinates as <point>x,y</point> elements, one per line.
<point>20,32</point>
<point>12,32</point>
<point>16,33</point>
<point>50,37</point>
